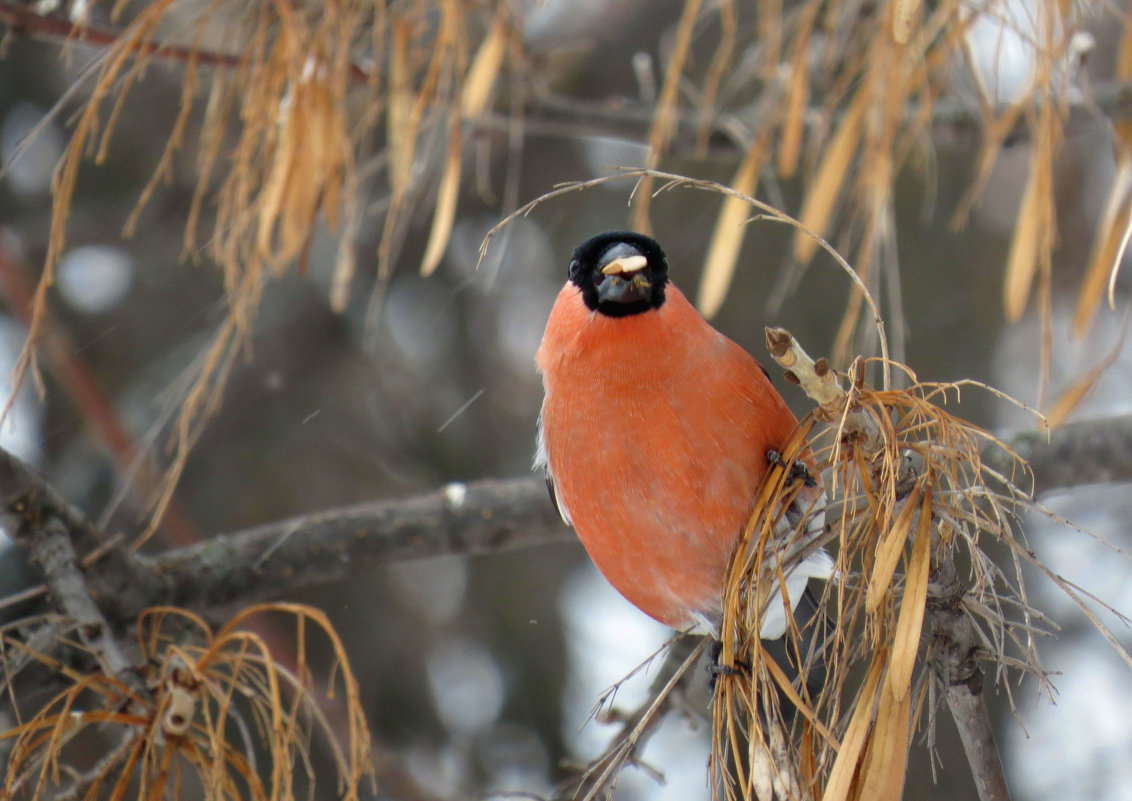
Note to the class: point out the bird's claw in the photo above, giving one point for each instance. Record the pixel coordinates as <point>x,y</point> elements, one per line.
<point>715,669</point>
<point>796,470</point>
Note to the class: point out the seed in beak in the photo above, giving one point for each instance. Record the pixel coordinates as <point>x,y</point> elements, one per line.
<point>624,265</point>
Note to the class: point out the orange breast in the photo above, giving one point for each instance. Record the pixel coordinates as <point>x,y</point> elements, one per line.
<point>656,428</point>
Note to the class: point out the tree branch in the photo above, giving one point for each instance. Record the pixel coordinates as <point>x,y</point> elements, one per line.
<point>28,504</point>
<point>50,530</point>
<point>1090,452</point>
<point>954,653</point>
<point>476,518</point>
<point>49,544</point>
<point>21,19</point>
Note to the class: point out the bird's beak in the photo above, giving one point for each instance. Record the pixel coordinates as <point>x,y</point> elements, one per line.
<point>625,281</point>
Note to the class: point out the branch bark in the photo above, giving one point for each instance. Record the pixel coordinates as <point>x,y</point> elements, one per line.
<point>1090,452</point>
<point>954,653</point>
<point>480,517</point>
<point>21,19</point>
<point>51,531</point>
<point>29,506</point>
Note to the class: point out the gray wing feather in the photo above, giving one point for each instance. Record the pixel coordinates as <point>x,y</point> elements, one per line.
<point>542,462</point>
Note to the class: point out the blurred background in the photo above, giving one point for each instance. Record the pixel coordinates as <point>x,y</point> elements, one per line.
<point>479,674</point>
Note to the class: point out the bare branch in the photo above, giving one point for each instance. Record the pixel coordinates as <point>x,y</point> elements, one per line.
<point>1091,452</point>
<point>954,652</point>
<point>600,776</point>
<point>476,518</point>
<point>34,514</point>
<point>50,547</point>
<point>23,20</point>
<point>973,721</point>
<point>49,529</point>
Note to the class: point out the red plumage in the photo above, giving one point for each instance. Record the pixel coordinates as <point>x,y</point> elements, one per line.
<point>655,430</point>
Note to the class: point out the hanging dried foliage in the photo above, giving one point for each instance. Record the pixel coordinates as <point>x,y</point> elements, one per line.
<point>208,709</point>
<point>287,110</point>
<point>909,493</point>
<point>855,88</point>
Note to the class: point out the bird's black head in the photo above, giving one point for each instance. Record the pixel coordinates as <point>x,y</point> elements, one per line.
<point>620,273</point>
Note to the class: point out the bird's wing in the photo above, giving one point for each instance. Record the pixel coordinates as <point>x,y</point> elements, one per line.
<point>556,501</point>
<point>542,462</point>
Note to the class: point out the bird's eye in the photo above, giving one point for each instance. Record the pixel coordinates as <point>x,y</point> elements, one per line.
<point>575,268</point>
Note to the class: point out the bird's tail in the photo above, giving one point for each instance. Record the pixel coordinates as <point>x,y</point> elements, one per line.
<point>804,657</point>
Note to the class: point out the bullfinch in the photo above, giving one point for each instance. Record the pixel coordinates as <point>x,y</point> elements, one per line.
<point>654,437</point>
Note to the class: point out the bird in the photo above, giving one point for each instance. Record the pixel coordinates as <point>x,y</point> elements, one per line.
<point>655,434</point>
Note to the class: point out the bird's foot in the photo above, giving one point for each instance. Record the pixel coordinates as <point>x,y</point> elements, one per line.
<point>715,669</point>
<point>796,470</point>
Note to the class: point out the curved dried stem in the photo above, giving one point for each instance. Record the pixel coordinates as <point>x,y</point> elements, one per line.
<point>199,685</point>
<point>911,500</point>
<point>674,181</point>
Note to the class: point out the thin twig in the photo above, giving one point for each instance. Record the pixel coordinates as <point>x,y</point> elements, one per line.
<point>601,775</point>
<point>21,19</point>
<point>553,113</point>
